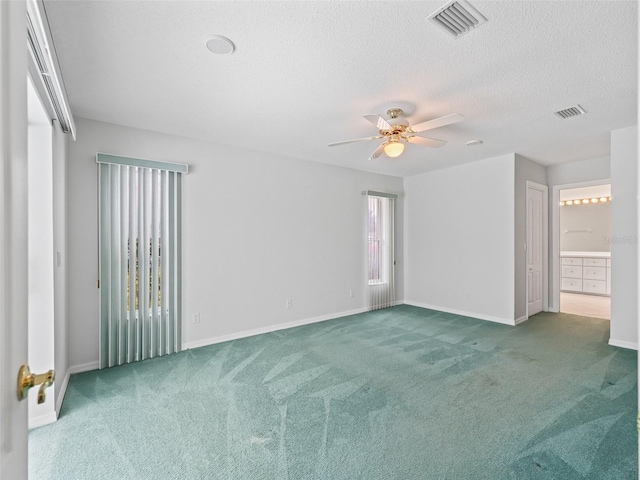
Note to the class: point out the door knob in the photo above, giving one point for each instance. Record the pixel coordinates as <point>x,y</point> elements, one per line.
<point>26,380</point>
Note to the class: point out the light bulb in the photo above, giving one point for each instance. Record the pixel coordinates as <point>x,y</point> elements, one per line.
<point>393,148</point>
<point>562,204</point>
<point>569,202</point>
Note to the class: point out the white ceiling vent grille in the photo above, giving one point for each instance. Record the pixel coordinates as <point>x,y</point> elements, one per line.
<point>457,17</point>
<point>571,112</point>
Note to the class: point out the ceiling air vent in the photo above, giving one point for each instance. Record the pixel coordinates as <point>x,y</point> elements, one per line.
<point>571,112</point>
<point>457,18</point>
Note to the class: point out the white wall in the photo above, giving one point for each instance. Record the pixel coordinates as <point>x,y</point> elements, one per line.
<point>459,237</point>
<point>624,245</point>
<point>525,170</point>
<point>257,229</point>
<point>60,291</point>
<point>40,248</point>
<point>48,235</point>
<point>575,220</point>
<point>580,171</point>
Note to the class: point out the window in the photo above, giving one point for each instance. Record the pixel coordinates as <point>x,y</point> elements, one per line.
<point>376,240</point>
<point>140,263</point>
<point>380,249</point>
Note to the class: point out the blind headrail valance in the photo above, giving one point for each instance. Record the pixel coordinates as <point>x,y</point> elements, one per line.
<point>372,193</point>
<point>140,162</point>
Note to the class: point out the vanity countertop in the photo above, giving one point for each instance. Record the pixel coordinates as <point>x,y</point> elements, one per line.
<point>586,254</point>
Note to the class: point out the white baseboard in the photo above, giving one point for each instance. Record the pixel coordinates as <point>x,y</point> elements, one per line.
<point>41,420</point>
<point>272,328</point>
<point>62,392</point>
<point>504,321</point>
<point>623,344</point>
<point>52,417</point>
<point>84,367</point>
<point>521,319</point>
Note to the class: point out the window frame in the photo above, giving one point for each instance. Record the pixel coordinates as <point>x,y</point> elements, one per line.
<point>378,218</point>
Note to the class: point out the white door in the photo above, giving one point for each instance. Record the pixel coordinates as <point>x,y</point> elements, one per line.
<point>535,279</point>
<point>13,234</point>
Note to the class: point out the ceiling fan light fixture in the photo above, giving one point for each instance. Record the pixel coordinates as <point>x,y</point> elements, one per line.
<point>393,148</point>
<point>396,131</point>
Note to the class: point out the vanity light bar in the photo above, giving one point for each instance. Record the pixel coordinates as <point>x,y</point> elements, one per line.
<point>584,201</point>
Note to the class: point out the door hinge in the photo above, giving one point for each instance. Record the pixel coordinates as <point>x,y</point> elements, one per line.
<point>98,284</point>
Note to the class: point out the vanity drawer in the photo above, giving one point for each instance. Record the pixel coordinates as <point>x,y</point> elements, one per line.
<point>571,261</point>
<point>595,273</point>
<point>589,274</point>
<point>594,286</point>
<point>572,284</point>
<point>570,271</point>
<point>595,262</point>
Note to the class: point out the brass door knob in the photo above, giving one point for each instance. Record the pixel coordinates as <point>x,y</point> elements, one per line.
<point>26,380</point>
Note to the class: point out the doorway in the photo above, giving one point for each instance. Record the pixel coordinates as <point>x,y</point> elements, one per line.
<point>40,251</point>
<point>585,250</point>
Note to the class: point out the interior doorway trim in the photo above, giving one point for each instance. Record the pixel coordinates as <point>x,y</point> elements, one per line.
<point>555,236</point>
<point>545,244</point>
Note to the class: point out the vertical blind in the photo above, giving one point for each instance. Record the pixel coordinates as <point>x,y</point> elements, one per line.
<point>381,249</point>
<point>140,259</point>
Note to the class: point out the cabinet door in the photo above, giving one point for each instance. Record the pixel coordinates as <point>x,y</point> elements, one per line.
<point>572,284</point>
<point>595,262</point>
<point>594,273</point>
<point>594,286</point>
<point>571,271</point>
<point>571,261</point>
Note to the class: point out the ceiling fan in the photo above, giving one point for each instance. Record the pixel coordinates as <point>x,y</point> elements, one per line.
<point>397,130</point>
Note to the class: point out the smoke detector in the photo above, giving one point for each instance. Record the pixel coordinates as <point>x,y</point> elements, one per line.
<point>219,45</point>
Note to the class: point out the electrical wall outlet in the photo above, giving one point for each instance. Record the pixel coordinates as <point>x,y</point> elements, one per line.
<point>196,317</point>
<point>289,303</point>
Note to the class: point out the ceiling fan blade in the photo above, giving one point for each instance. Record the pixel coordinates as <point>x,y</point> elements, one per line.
<point>437,122</point>
<point>378,152</point>
<point>355,140</point>
<point>427,142</point>
<point>378,121</point>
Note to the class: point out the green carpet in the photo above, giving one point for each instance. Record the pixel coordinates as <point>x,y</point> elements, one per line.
<point>397,394</point>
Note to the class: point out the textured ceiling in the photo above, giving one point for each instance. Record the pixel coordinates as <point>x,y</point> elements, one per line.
<point>304,73</point>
